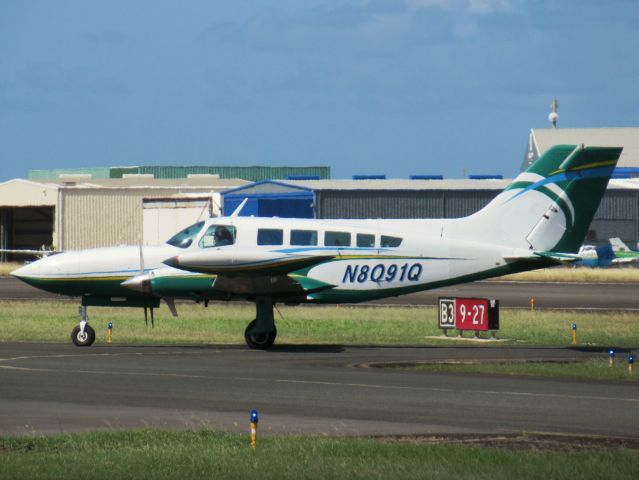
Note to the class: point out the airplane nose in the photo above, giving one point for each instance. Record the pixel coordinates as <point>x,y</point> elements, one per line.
<point>26,271</point>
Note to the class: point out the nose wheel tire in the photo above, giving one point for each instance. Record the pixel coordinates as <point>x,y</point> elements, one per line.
<point>259,341</point>
<point>83,339</point>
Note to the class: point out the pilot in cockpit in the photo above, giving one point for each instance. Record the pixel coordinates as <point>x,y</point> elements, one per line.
<point>223,237</point>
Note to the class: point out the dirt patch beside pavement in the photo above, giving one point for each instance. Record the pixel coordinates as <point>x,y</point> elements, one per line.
<point>541,441</point>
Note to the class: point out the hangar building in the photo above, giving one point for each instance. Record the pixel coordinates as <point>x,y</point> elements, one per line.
<point>435,197</point>
<point>252,173</point>
<point>541,139</point>
<point>396,198</point>
<point>76,212</point>
<point>81,208</point>
<point>76,208</point>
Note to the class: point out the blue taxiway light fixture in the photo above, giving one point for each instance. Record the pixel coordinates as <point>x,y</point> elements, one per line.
<point>612,353</point>
<point>254,416</point>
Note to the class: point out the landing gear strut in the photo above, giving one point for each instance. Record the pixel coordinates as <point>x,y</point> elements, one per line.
<point>83,335</point>
<point>261,332</point>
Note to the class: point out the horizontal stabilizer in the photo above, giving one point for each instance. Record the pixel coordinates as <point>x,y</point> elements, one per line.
<point>559,257</point>
<point>554,256</point>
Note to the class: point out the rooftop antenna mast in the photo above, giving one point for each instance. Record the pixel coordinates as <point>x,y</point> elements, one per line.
<point>553,116</point>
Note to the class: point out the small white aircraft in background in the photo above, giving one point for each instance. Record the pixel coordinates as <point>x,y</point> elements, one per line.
<point>539,220</point>
<point>623,253</point>
<point>616,253</point>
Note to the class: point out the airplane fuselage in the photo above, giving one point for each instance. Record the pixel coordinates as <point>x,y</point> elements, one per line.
<point>339,261</point>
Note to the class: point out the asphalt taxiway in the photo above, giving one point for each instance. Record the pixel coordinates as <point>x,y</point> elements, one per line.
<point>332,390</point>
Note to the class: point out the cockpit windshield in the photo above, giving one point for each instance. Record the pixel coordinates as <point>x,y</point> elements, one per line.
<point>185,238</point>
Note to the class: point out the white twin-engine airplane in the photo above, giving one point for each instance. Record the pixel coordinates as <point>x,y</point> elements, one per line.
<point>539,220</point>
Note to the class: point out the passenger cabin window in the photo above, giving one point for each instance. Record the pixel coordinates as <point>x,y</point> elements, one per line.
<point>390,241</point>
<point>218,236</point>
<point>303,237</point>
<point>270,236</point>
<point>337,239</point>
<point>184,238</point>
<point>365,240</point>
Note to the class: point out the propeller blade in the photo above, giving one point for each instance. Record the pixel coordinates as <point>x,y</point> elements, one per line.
<point>141,259</point>
<point>152,320</point>
<point>146,319</point>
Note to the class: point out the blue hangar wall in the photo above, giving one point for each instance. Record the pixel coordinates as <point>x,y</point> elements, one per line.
<point>270,199</point>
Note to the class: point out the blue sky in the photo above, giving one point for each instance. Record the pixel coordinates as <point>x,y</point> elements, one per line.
<point>380,87</point>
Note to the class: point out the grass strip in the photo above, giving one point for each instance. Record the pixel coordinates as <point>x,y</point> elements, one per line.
<point>592,369</point>
<point>51,321</point>
<point>205,454</point>
<point>628,274</point>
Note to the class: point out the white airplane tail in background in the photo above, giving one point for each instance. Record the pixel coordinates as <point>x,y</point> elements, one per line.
<point>547,208</point>
<point>618,245</point>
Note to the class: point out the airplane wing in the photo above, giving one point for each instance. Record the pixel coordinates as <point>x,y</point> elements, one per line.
<point>243,263</point>
<point>253,273</point>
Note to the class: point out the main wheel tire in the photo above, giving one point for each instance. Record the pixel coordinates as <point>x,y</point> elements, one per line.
<point>83,340</point>
<point>259,341</point>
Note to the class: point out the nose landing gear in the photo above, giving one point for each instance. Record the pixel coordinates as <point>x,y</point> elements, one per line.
<point>83,335</point>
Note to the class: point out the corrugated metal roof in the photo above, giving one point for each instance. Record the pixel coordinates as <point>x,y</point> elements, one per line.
<point>626,183</point>
<point>626,137</point>
<point>24,193</point>
<point>95,172</point>
<point>250,173</point>
<point>144,182</point>
<point>288,185</point>
<point>402,184</point>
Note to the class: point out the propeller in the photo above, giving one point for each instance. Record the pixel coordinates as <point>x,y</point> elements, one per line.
<point>146,286</point>
<point>142,283</point>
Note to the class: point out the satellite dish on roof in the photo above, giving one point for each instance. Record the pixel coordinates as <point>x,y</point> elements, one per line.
<point>553,116</point>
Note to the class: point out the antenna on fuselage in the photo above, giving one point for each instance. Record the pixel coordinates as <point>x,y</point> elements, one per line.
<point>236,212</point>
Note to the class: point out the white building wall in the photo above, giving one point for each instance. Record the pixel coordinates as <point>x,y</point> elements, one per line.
<point>99,218</point>
<point>94,217</point>
<point>164,218</point>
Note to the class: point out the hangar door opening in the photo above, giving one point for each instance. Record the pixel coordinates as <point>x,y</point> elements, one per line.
<point>25,228</point>
<point>164,217</point>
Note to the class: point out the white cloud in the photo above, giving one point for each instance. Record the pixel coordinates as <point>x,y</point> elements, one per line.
<point>440,4</point>
<point>484,7</point>
<point>478,7</point>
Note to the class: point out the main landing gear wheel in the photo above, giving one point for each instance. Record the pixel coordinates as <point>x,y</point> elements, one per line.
<point>83,339</point>
<point>260,341</point>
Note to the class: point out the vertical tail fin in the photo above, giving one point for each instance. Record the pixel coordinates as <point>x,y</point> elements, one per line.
<point>618,245</point>
<point>550,206</point>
